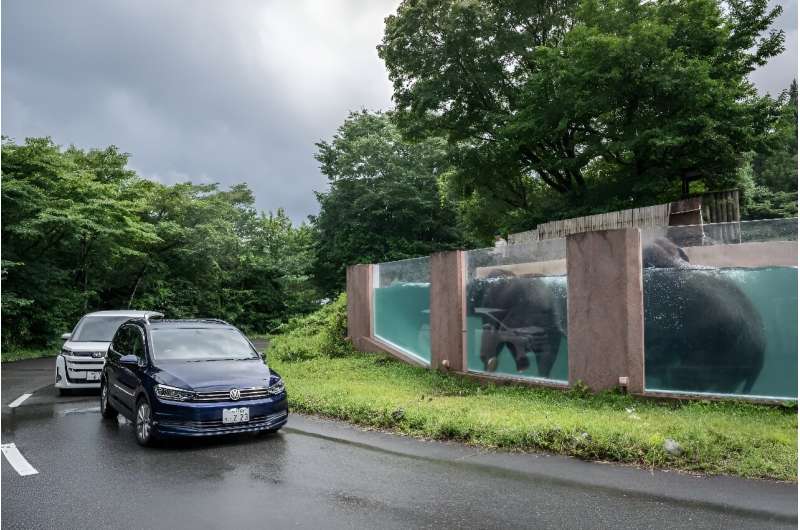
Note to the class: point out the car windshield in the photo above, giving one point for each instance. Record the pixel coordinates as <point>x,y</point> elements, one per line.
<point>97,328</point>
<point>200,344</point>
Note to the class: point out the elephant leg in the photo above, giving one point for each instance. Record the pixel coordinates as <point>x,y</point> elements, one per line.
<point>546,353</point>
<point>517,349</point>
<point>490,348</point>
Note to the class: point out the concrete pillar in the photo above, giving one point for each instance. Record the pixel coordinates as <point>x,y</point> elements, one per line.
<point>448,311</point>
<point>605,305</point>
<point>359,305</point>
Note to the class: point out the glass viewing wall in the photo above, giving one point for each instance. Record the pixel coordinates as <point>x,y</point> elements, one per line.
<point>402,305</point>
<point>720,308</point>
<point>516,301</point>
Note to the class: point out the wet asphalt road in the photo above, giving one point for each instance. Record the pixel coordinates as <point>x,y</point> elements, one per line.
<point>321,474</point>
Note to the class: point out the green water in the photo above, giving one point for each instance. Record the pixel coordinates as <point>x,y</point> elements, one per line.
<point>402,317</point>
<point>505,360</point>
<point>773,292</point>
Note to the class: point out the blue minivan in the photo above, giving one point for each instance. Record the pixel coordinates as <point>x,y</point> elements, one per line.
<point>189,378</point>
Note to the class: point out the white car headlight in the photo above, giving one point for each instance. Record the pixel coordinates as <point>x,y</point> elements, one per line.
<point>170,393</point>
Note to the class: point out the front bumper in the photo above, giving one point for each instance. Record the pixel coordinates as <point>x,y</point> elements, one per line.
<point>72,371</point>
<point>205,419</point>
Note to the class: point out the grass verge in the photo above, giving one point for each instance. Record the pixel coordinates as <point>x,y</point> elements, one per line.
<point>754,441</point>
<point>11,355</point>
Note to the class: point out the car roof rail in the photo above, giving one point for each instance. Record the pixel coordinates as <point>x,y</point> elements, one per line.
<point>216,320</point>
<point>157,316</point>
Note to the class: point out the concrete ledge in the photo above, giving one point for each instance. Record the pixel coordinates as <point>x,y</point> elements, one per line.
<point>748,255</point>
<point>375,344</point>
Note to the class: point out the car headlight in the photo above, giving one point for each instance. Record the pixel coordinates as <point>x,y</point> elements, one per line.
<point>276,388</point>
<point>65,351</point>
<point>170,393</point>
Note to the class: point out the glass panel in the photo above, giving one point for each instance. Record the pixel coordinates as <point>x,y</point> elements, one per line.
<point>720,308</point>
<point>402,305</point>
<point>517,310</point>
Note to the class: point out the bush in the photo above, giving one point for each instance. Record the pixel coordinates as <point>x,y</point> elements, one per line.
<point>321,333</point>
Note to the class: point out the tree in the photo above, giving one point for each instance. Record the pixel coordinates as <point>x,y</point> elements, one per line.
<point>775,163</point>
<point>82,232</point>
<point>383,203</point>
<point>599,100</point>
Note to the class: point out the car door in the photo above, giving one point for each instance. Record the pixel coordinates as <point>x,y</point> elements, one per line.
<point>128,375</point>
<point>121,345</point>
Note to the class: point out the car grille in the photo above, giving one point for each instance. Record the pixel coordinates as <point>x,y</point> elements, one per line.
<point>245,393</point>
<point>95,354</point>
<point>255,421</point>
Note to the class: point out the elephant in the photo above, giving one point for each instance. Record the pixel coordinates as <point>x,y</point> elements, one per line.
<point>702,333</point>
<point>521,313</point>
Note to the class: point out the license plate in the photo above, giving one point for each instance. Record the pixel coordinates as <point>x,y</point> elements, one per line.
<point>93,376</point>
<point>239,415</point>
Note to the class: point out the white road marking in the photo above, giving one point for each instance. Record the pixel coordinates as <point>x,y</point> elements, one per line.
<point>17,461</point>
<point>17,402</point>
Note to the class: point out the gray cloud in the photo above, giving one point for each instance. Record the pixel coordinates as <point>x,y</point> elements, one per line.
<point>213,91</point>
<point>777,74</point>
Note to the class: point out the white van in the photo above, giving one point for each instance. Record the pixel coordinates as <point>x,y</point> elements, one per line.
<point>82,356</point>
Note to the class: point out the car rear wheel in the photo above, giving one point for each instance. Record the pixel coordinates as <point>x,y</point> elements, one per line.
<point>144,423</point>
<point>107,410</point>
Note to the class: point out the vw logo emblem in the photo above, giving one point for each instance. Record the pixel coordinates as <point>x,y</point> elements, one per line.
<point>235,394</point>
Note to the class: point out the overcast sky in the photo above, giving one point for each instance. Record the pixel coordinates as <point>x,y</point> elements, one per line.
<point>223,92</point>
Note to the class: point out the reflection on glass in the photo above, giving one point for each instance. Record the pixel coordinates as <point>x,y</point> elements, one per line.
<point>516,310</point>
<point>401,306</point>
<point>720,307</point>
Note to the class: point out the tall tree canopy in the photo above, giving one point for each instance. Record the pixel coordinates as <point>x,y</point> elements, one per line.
<point>82,232</point>
<point>619,97</point>
<point>383,202</point>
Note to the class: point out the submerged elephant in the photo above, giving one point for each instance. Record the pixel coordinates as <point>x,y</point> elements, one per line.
<point>522,314</point>
<point>702,333</point>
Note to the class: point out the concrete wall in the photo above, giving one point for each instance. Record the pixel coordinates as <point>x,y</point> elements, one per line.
<point>448,311</point>
<point>606,314</point>
<point>359,305</point>
<point>605,303</point>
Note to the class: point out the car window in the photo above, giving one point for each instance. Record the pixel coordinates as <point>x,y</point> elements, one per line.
<point>200,344</point>
<point>122,341</point>
<point>97,328</point>
<point>137,341</point>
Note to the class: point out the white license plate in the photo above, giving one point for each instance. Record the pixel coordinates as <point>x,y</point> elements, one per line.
<point>93,376</point>
<point>240,415</point>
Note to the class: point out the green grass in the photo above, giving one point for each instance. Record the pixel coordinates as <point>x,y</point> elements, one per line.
<point>18,354</point>
<point>374,391</point>
<point>325,376</point>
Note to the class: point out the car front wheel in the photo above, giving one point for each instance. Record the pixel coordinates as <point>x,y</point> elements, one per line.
<point>107,410</point>
<point>144,423</point>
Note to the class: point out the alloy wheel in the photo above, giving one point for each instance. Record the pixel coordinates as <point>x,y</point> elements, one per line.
<point>143,426</point>
<point>103,398</point>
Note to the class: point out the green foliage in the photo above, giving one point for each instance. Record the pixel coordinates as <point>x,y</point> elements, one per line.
<point>383,203</point>
<point>379,392</point>
<point>591,105</point>
<point>775,162</point>
<point>20,354</point>
<point>321,333</point>
<point>81,232</point>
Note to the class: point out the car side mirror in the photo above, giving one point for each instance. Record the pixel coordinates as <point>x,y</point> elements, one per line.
<point>129,360</point>
<point>66,336</point>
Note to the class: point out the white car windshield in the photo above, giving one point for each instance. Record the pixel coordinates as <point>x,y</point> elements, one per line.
<point>97,328</point>
<point>200,344</point>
